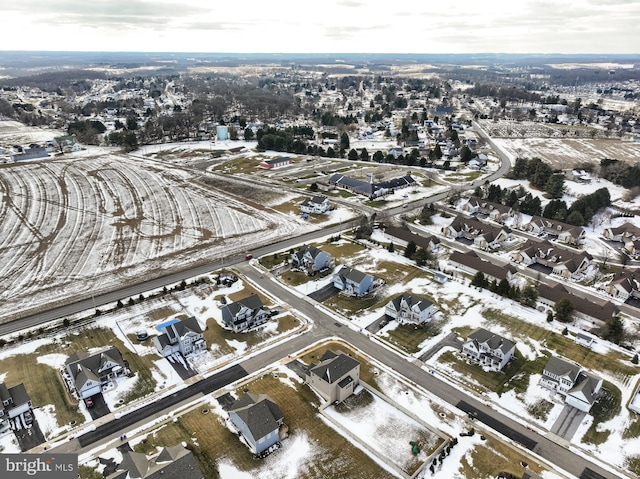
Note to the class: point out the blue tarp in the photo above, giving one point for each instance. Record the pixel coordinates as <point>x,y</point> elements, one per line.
<point>160,327</point>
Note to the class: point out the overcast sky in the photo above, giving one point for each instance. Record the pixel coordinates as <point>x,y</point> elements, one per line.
<point>304,26</point>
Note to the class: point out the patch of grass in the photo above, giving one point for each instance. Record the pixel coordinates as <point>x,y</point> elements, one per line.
<point>633,464</point>
<point>612,362</point>
<point>216,334</point>
<point>295,278</point>
<point>633,428</point>
<point>409,337</point>
<point>394,273</point>
<point>350,305</point>
<point>493,457</point>
<point>540,409</point>
<point>341,251</point>
<point>463,331</point>
<point>86,472</point>
<point>161,313</point>
<point>606,407</point>
<point>515,375</point>
<point>355,401</point>
<point>275,259</point>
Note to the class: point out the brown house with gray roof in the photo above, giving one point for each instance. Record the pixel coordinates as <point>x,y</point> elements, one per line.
<point>335,377</point>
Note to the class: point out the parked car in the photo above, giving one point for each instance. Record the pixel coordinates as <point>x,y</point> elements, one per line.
<point>88,402</point>
<point>273,312</point>
<point>248,256</point>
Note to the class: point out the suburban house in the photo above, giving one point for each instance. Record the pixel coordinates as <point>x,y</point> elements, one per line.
<point>175,462</point>
<point>311,259</point>
<point>353,282</point>
<point>632,247</point>
<point>14,402</point>
<point>471,264</point>
<point>488,209</point>
<point>274,163</point>
<point>567,378</point>
<point>185,337</point>
<point>428,243</point>
<point>562,262</point>
<point>590,310</point>
<point>563,232</point>
<point>490,350</point>
<point>622,233</point>
<point>258,419</point>
<point>482,235</point>
<point>368,188</point>
<point>410,309</point>
<point>335,377</point>
<point>315,205</point>
<point>624,285</point>
<point>245,313</point>
<point>89,372</point>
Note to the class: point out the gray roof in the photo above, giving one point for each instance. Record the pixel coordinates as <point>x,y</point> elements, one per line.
<point>190,324</point>
<point>259,413</point>
<point>585,384</point>
<point>82,360</point>
<point>17,394</point>
<point>172,463</point>
<point>494,341</point>
<point>334,366</point>
<point>598,309</point>
<point>230,311</point>
<point>351,274</point>
<point>472,260</point>
<point>562,367</point>
<point>412,300</point>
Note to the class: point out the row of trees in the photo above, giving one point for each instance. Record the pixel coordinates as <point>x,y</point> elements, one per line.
<point>540,175</point>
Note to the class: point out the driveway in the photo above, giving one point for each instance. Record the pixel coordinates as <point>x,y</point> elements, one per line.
<point>324,293</point>
<point>450,339</point>
<point>568,421</point>
<point>99,408</point>
<point>181,366</point>
<point>28,436</point>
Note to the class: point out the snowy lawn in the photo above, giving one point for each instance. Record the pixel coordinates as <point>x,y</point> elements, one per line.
<point>380,426</point>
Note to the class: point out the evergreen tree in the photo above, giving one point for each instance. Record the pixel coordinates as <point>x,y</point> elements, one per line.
<point>410,250</point>
<point>563,309</point>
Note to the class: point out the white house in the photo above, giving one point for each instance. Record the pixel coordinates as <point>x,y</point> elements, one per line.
<point>185,337</point>
<point>490,350</point>
<point>315,205</point>
<point>567,378</point>
<point>410,309</point>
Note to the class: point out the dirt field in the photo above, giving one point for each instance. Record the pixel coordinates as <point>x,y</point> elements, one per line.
<point>567,153</point>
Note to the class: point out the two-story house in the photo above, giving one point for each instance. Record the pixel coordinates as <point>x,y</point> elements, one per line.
<point>335,377</point>
<point>567,378</point>
<point>488,209</point>
<point>560,261</point>
<point>14,401</point>
<point>258,419</point>
<point>622,233</point>
<point>410,309</point>
<point>89,372</point>
<point>563,232</point>
<point>624,285</point>
<point>353,282</point>
<point>311,260</point>
<point>185,337</point>
<point>481,235</point>
<point>244,314</point>
<point>491,350</point>
<point>315,205</point>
